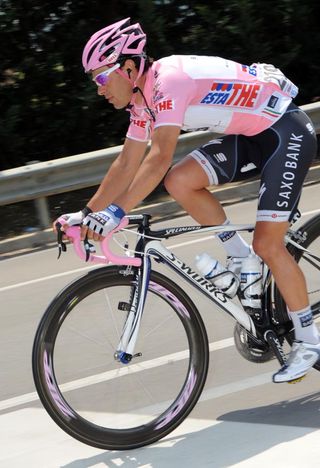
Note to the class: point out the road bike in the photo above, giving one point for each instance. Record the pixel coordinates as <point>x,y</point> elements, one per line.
<point>121,355</point>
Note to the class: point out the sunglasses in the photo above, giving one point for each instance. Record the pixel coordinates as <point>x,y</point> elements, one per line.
<point>102,78</point>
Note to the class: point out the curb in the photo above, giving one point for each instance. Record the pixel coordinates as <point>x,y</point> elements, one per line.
<point>166,209</point>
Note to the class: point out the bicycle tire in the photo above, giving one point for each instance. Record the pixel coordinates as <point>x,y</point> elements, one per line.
<point>52,393</point>
<point>309,238</point>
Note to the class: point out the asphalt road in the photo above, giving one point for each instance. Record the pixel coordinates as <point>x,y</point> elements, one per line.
<point>242,419</point>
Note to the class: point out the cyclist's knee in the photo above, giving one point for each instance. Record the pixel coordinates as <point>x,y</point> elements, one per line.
<point>175,181</point>
<point>268,247</point>
<point>185,177</point>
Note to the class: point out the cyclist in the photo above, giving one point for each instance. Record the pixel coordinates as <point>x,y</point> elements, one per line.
<point>264,133</point>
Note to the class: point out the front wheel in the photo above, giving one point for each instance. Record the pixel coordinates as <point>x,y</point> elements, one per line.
<point>308,236</point>
<point>95,398</point>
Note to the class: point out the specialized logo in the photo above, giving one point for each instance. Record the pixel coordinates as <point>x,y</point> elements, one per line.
<point>263,189</point>
<point>165,106</point>
<point>179,230</point>
<point>233,94</point>
<point>220,157</point>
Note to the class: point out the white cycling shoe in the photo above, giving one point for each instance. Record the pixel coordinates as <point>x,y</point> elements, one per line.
<point>302,357</point>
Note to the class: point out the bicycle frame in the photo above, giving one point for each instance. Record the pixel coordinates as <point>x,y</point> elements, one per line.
<point>154,249</point>
<point>149,246</point>
<point>148,249</point>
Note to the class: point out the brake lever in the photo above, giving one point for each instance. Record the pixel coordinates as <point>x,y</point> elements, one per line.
<point>88,247</point>
<point>61,245</point>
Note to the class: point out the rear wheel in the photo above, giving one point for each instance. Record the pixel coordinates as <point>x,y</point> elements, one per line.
<point>99,400</point>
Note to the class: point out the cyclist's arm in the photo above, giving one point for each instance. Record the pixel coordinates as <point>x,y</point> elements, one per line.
<point>153,168</point>
<point>120,175</point>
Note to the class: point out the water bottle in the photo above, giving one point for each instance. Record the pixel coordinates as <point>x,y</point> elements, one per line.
<point>251,282</point>
<point>212,270</point>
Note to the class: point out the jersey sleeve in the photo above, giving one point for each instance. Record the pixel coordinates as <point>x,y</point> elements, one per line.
<point>140,129</point>
<point>172,93</point>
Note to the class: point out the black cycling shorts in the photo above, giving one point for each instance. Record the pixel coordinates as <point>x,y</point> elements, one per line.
<point>282,154</point>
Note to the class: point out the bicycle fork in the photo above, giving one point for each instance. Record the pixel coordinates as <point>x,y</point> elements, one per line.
<point>128,339</point>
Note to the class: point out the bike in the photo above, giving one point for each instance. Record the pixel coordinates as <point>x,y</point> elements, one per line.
<point>121,355</point>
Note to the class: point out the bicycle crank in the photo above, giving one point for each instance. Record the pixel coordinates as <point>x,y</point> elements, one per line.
<point>274,342</point>
<point>249,349</point>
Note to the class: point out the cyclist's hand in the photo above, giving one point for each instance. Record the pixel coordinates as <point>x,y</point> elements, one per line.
<point>98,225</point>
<point>72,219</point>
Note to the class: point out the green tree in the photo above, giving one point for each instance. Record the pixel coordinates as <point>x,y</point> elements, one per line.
<point>49,109</point>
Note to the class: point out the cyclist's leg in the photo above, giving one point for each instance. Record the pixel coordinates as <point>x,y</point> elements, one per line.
<point>269,244</point>
<point>282,178</point>
<point>218,162</point>
<point>281,182</point>
<point>186,182</point>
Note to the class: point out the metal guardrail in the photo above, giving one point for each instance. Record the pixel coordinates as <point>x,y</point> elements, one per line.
<point>39,180</point>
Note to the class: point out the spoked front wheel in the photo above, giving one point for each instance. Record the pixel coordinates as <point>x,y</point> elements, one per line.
<point>101,401</point>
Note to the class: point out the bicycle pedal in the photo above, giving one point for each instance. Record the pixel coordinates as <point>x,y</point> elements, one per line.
<point>295,381</point>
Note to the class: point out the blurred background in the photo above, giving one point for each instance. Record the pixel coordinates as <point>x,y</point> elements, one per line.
<point>49,107</point>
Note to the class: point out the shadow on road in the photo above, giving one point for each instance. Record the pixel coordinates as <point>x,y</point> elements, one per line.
<point>236,436</point>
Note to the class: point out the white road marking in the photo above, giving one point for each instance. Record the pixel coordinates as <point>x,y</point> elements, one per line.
<point>113,374</point>
<point>46,278</point>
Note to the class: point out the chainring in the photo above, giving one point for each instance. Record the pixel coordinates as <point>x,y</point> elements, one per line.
<point>248,349</point>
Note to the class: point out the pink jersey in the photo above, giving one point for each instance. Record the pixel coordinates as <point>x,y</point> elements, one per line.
<point>199,92</point>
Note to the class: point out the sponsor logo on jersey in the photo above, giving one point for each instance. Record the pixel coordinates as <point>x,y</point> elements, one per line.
<point>273,101</point>
<point>232,94</point>
<point>139,123</point>
<point>290,171</point>
<point>248,167</point>
<point>310,128</point>
<point>165,105</point>
<point>251,70</point>
<point>157,93</point>
<point>195,129</point>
